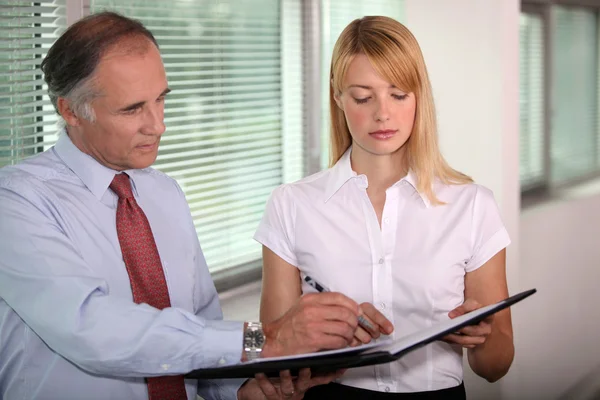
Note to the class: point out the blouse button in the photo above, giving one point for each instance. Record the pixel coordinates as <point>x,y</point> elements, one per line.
<point>381,260</point>
<point>387,389</point>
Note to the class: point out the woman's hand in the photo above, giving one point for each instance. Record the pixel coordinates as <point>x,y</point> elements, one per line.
<point>470,336</point>
<point>285,387</point>
<point>377,324</point>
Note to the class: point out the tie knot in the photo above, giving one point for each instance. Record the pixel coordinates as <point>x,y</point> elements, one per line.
<point>121,186</point>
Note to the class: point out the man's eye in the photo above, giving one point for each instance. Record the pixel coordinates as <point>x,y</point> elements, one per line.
<point>132,111</point>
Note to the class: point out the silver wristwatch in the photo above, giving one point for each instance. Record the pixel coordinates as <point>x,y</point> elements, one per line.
<point>254,340</point>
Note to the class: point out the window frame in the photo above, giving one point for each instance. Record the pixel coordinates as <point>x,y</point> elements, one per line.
<point>531,195</point>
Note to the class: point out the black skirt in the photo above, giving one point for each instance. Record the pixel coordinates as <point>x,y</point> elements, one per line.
<point>336,391</point>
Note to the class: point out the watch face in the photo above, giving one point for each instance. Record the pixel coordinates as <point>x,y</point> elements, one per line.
<point>254,339</point>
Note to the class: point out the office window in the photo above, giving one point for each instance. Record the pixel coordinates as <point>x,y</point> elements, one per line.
<point>234,117</point>
<point>27,118</point>
<point>574,136</point>
<point>337,14</point>
<point>568,149</point>
<point>531,101</point>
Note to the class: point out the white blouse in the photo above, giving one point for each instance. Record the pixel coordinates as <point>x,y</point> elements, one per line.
<point>412,268</point>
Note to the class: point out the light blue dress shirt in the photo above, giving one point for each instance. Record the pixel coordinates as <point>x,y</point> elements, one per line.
<point>69,328</point>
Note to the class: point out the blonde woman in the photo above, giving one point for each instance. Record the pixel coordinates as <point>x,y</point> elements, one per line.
<point>391,224</point>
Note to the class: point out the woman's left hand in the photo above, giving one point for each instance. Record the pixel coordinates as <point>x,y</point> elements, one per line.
<point>473,335</point>
<point>285,387</point>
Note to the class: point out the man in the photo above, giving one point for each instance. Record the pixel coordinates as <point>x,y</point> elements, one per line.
<point>104,291</point>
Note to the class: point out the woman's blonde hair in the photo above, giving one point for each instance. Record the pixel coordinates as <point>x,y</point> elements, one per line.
<point>396,56</point>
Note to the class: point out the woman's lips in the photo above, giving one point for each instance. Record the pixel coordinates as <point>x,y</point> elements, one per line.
<point>383,134</point>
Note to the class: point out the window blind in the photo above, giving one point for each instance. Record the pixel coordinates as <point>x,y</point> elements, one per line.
<point>27,118</point>
<point>234,117</point>
<point>337,14</point>
<point>575,90</point>
<point>531,101</point>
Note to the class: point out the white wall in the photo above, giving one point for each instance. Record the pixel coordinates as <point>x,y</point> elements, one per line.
<point>559,329</point>
<point>471,49</point>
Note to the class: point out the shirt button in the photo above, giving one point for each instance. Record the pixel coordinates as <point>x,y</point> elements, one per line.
<point>222,361</point>
<point>386,220</point>
<point>382,306</point>
<point>381,260</point>
<point>165,367</point>
<point>387,389</point>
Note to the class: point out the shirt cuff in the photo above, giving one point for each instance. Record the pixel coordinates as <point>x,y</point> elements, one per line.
<point>265,237</point>
<point>497,242</point>
<point>225,347</point>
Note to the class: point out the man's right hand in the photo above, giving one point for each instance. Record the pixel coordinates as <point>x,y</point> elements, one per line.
<point>318,321</point>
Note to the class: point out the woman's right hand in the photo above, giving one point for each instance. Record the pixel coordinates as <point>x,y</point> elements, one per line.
<point>379,324</point>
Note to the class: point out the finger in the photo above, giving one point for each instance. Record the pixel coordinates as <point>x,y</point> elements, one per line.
<point>468,306</point>
<point>477,330</point>
<point>375,316</point>
<point>330,342</point>
<point>464,340</point>
<point>361,335</point>
<point>333,328</point>
<point>266,386</point>
<point>323,379</point>
<point>332,299</point>
<point>319,312</point>
<point>303,382</point>
<point>355,342</point>
<point>286,384</point>
<point>340,372</point>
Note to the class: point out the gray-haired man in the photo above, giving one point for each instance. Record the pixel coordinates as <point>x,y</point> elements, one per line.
<point>104,291</point>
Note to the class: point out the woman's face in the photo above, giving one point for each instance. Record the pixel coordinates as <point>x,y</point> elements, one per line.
<point>380,116</point>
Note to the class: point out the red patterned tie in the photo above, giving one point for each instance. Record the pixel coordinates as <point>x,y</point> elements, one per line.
<point>145,273</point>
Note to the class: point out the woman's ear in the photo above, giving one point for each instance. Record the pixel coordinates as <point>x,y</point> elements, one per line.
<point>65,111</point>
<point>338,101</point>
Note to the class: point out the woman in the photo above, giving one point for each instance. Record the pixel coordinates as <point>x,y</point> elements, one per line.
<point>391,224</point>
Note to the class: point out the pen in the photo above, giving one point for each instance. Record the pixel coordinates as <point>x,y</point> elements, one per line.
<point>320,288</point>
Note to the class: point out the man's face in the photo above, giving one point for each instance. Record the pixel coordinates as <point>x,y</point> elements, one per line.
<point>129,111</point>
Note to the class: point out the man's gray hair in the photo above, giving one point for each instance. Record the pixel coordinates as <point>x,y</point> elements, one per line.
<point>71,61</point>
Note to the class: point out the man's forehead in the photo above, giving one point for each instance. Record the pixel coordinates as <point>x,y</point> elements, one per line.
<point>129,46</point>
<point>124,75</point>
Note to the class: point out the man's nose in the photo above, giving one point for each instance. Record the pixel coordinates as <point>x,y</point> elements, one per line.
<point>154,123</point>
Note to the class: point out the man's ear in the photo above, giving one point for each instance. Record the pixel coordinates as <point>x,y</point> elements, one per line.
<point>65,111</point>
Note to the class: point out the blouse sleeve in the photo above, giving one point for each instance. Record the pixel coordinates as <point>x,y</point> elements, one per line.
<point>488,234</point>
<point>276,229</point>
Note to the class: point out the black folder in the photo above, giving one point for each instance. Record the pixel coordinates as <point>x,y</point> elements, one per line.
<point>384,351</point>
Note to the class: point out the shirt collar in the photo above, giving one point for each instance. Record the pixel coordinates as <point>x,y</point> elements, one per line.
<point>342,172</point>
<point>95,176</point>
<point>339,174</point>
<point>411,178</point>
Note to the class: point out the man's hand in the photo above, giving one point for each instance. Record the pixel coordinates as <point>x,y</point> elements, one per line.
<point>378,324</point>
<point>470,336</point>
<point>284,388</point>
<point>318,321</point>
